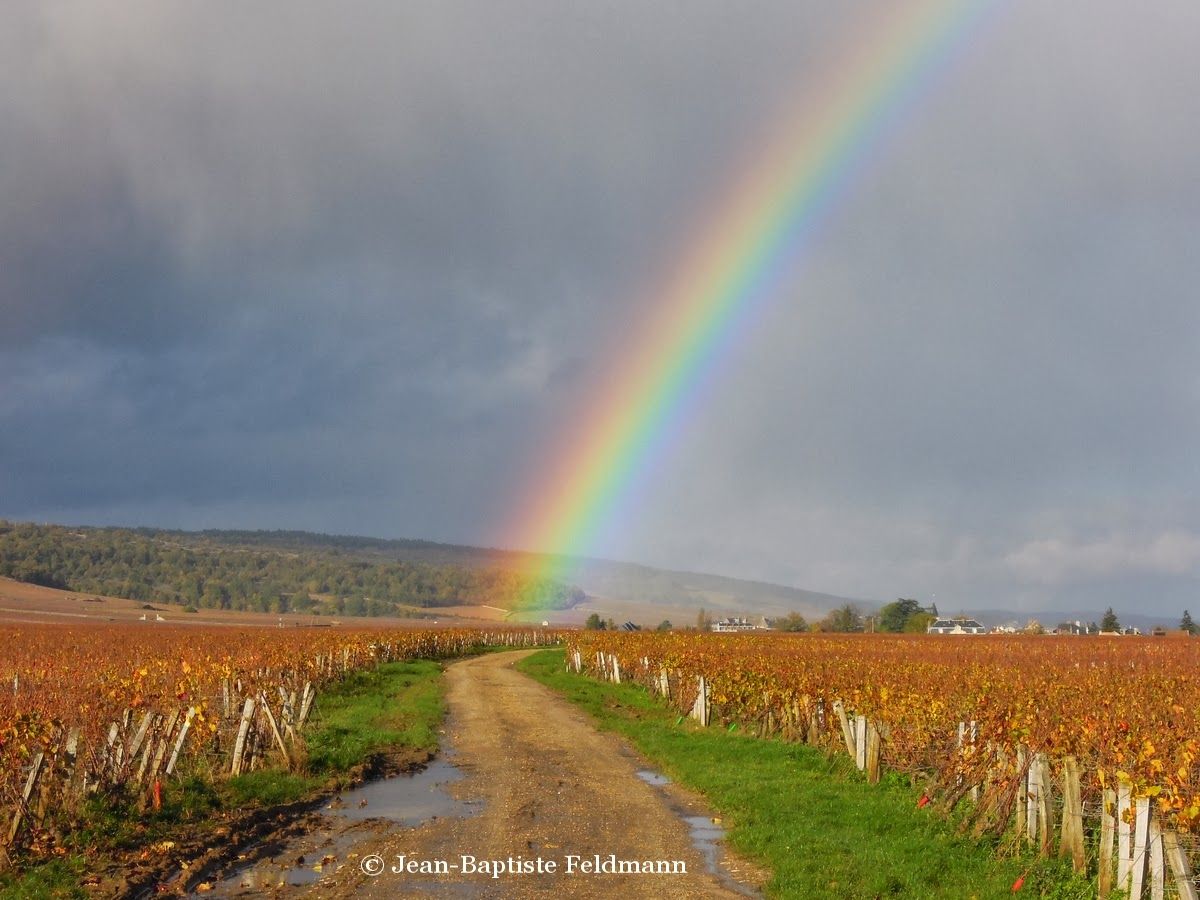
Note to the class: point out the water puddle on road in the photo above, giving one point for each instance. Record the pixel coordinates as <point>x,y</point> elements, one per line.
<point>655,778</point>
<point>351,818</point>
<point>705,833</point>
<point>408,799</point>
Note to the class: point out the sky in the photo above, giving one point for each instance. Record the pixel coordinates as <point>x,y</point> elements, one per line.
<point>351,268</point>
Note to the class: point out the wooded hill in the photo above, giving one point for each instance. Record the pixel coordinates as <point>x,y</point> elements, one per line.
<point>283,572</point>
<point>352,575</point>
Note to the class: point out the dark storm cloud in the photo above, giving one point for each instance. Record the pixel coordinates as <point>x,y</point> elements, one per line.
<point>285,265</point>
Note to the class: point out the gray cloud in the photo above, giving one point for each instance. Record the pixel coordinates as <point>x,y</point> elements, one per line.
<point>281,265</point>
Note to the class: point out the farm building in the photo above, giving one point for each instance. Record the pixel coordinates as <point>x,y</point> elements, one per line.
<point>735,624</point>
<point>956,626</point>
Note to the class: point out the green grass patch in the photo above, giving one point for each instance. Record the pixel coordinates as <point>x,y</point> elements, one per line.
<point>59,878</point>
<point>813,820</point>
<point>395,706</point>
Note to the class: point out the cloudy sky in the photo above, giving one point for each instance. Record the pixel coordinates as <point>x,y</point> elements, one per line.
<point>350,268</point>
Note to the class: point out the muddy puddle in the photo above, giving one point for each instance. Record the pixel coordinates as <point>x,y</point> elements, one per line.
<point>408,799</point>
<point>705,833</point>
<point>347,821</point>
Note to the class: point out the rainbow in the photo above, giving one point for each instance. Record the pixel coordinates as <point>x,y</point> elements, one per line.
<point>752,242</point>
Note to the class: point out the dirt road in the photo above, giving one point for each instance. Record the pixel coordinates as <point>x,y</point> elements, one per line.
<point>553,791</point>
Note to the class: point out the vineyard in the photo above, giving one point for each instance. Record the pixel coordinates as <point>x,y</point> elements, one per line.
<point>1073,745</point>
<point>123,709</point>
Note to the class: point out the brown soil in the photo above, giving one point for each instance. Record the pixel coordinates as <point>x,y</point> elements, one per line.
<point>191,859</point>
<point>550,785</point>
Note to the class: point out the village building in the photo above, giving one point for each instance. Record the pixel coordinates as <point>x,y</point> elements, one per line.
<point>956,626</point>
<point>736,624</point>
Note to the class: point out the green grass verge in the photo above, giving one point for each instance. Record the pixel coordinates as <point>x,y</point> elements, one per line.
<point>396,707</point>
<point>811,819</point>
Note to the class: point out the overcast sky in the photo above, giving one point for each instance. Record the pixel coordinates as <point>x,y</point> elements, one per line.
<point>349,267</point>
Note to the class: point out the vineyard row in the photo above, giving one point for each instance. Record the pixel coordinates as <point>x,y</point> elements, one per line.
<point>67,735</point>
<point>1053,793</point>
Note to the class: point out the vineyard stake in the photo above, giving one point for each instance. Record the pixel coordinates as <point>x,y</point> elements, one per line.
<point>1072,834</point>
<point>1033,793</point>
<point>1179,867</point>
<point>306,704</point>
<point>275,729</point>
<point>860,742</point>
<point>1141,824</point>
<point>1108,824</point>
<point>164,743</point>
<point>145,763</point>
<point>873,752</point>
<point>1124,824</point>
<point>847,733</point>
<point>30,783</point>
<point>700,707</point>
<point>72,761</point>
<point>1156,862</point>
<point>1045,809</point>
<point>183,732</point>
<point>111,753</point>
<point>239,746</point>
<point>1022,790</point>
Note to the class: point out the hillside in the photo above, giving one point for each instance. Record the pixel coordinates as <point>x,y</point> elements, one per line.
<point>608,584</point>
<point>209,571</point>
<point>309,573</point>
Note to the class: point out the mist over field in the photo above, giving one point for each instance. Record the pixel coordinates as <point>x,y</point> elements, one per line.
<point>283,265</point>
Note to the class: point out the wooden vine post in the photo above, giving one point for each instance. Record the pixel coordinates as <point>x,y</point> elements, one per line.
<point>31,781</point>
<point>1141,833</point>
<point>860,742</point>
<point>874,749</point>
<point>239,747</point>
<point>1022,789</point>
<point>1108,825</point>
<point>1072,823</point>
<point>847,733</point>
<point>266,708</point>
<point>700,710</point>
<point>1177,859</point>
<point>1124,844</point>
<point>1045,808</point>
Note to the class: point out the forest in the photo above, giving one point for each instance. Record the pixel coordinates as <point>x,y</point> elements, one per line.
<point>283,572</point>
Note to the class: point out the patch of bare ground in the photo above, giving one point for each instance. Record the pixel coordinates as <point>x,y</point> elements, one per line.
<point>178,867</point>
<point>551,787</point>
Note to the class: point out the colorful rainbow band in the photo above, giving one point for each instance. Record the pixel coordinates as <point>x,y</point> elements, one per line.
<point>753,243</point>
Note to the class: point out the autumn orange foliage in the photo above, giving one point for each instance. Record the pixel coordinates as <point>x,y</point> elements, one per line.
<point>1127,708</point>
<point>55,679</point>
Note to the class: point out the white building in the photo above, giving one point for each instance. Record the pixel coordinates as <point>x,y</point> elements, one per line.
<point>956,626</point>
<point>735,624</point>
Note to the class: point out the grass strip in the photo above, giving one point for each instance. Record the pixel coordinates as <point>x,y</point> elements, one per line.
<point>812,819</point>
<point>394,709</point>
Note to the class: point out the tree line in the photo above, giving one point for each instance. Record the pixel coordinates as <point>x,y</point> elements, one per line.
<point>907,616</point>
<point>199,570</point>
